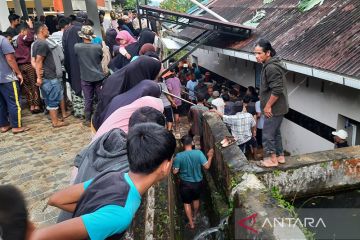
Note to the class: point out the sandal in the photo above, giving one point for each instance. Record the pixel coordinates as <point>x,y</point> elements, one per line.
<point>22,129</point>
<point>36,111</point>
<point>5,129</point>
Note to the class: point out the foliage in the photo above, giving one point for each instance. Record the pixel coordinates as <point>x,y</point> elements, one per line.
<point>275,192</point>
<point>176,5</point>
<point>277,173</point>
<point>127,4</point>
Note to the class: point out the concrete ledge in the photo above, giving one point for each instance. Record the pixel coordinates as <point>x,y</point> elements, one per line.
<point>253,207</point>
<point>316,173</point>
<point>229,163</point>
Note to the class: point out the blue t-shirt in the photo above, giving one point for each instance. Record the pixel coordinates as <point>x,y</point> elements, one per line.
<point>6,73</point>
<point>191,86</point>
<point>112,219</point>
<point>189,164</point>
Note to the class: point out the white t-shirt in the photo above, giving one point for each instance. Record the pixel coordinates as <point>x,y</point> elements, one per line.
<point>219,103</point>
<point>260,123</point>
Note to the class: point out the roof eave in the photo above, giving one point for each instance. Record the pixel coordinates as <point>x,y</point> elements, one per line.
<point>349,81</point>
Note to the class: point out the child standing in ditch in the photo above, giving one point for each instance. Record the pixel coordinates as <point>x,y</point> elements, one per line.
<point>188,164</point>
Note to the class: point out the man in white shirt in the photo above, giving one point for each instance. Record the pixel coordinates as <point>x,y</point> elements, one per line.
<point>218,102</point>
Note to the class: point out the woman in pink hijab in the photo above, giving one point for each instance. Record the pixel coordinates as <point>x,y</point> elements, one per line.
<point>124,38</point>
<point>120,118</point>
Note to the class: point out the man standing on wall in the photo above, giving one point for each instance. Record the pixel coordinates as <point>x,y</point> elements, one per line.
<point>273,101</point>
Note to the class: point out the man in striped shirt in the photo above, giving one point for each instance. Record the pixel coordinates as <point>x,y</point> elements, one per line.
<point>243,127</point>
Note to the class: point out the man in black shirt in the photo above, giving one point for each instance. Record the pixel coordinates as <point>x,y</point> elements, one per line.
<point>14,20</point>
<point>48,76</point>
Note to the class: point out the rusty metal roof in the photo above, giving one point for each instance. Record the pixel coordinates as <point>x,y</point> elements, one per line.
<point>326,37</point>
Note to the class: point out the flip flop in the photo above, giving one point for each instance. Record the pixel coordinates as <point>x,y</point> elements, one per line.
<point>23,129</point>
<point>5,129</point>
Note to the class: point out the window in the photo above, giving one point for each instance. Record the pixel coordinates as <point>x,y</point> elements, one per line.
<point>352,127</point>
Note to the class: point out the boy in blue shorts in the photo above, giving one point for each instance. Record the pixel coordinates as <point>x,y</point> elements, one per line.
<point>104,207</point>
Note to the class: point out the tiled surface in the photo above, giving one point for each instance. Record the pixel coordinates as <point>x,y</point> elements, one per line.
<point>39,161</point>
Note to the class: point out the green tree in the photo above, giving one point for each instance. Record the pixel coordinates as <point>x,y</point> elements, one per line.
<point>126,4</point>
<point>176,5</point>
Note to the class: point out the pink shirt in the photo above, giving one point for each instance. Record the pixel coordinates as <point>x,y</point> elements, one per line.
<point>120,118</point>
<point>174,87</point>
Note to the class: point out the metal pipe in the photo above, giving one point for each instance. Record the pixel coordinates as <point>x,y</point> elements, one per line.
<point>68,9</point>
<point>170,94</point>
<point>138,13</point>
<point>93,14</point>
<point>209,11</point>
<point>183,47</point>
<point>24,9</point>
<point>39,8</point>
<point>202,41</point>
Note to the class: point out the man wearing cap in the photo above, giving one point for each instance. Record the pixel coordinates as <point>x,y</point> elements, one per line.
<point>89,56</point>
<point>340,138</point>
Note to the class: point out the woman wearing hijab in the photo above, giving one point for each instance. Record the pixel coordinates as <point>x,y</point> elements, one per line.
<point>118,62</point>
<point>125,79</point>
<point>120,118</point>
<point>123,39</point>
<point>144,88</point>
<point>147,49</point>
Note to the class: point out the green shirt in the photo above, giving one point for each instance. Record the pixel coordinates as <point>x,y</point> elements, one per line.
<point>189,164</point>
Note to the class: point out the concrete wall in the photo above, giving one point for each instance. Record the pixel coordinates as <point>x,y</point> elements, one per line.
<point>324,106</point>
<point>299,140</point>
<point>242,190</point>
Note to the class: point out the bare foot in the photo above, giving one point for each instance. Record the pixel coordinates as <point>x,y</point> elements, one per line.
<point>60,124</point>
<point>281,159</point>
<point>267,162</point>
<point>191,226</point>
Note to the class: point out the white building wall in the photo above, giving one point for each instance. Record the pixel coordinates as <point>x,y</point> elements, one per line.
<point>324,106</point>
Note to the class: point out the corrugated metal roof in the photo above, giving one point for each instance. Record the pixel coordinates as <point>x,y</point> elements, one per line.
<point>326,37</point>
